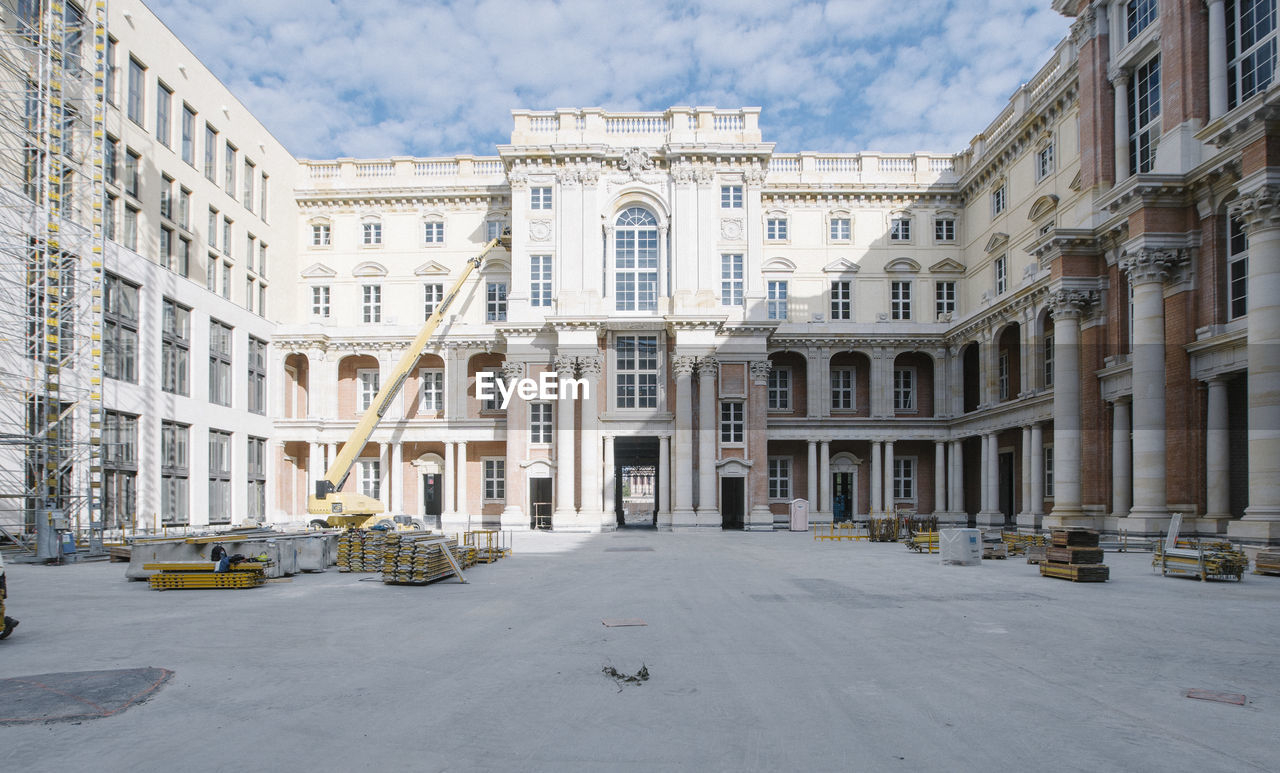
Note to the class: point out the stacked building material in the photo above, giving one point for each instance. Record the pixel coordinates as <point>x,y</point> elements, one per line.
<point>417,558</point>
<point>1208,560</point>
<point>360,550</point>
<point>1267,562</point>
<point>1018,544</point>
<point>1073,554</point>
<point>202,575</point>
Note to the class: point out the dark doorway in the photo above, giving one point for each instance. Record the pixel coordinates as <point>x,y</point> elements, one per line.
<point>1006,486</point>
<point>732,502</point>
<point>540,503</point>
<point>842,504</point>
<point>432,497</point>
<point>1238,432</point>
<point>636,482</point>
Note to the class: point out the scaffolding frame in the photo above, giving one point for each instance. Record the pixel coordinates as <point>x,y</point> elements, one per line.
<point>53,70</point>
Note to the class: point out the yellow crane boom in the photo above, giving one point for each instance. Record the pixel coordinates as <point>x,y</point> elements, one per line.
<point>349,508</point>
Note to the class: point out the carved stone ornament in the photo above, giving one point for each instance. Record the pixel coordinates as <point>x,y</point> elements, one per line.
<point>589,175</point>
<point>518,178</point>
<point>1083,29</point>
<point>682,172</point>
<point>705,175</point>
<point>539,230</point>
<point>512,372</point>
<point>1071,304</point>
<point>760,371</point>
<point>708,367</point>
<point>755,176</point>
<point>683,365</point>
<point>731,228</point>
<point>635,161</point>
<point>591,367</point>
<point>1151,265</point>
<point>1259,210</point>
<point>565,365</point>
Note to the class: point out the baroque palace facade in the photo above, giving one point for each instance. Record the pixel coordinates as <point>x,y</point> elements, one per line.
<point>1073,321</point>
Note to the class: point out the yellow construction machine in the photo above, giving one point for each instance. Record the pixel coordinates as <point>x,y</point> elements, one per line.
<point>350,508</point>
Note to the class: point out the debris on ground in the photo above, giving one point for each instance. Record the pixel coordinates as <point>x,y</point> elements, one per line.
<point>624,679</point>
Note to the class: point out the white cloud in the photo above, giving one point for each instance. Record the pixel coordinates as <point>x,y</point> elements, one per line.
<point>389,77</point>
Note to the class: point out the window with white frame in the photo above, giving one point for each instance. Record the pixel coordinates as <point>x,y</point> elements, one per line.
<point>1138,15</point>
<point>636,360</point>
<point>843,387</point>
<point>1144,115</point>
<point>841,229</point>
<point>495,299</point>
<point>257,392</point>
<point>137,84</point>
<point>495,480</point>
<point>732,425</point>
<point>904,479</point>
<point>1002,376</point>
<point>372,232</point>
<point>636,260</point>
<point>730,280</point>
<point>119,468</point>
<point>226,280</point>
<point>433,232</point>
<point>944,295</point>
<point>944,229</point>
<point>540,197</point>
<point>371,303</point>
<point>540,425</point>
<point>219,476</point>
<point>229,169</point>
<point>492,230</point>
<point>841,299</point>
<point>1048,471</point>
<point>904,388</point>
<point>210,155</point>
<point>320,301</point>
<point>219,363</point>
<point>540,280</point>
<point>371,478</point>
<point>776,229</point>
<point>320,234</point>
<point>1002,274</point>
<point>120,329</point>
<point>431,389</point>
<point>731,196</point>
<point>175,347</point>
<point>900,300</point>
<point>999,200</point>
<point>256,476</point>
<point>174,471</point>
<point>188,135</point>
<point>493,403</point>
<point>211,273</point>
<point>900,229</point>
<point>1048,359</point>
<point>1251,48</point>
<point>1237,269</point>
<point>780,478</point>
<point>248,178</point>
<point>1044,162</point>
<point>432,295</point>
<point>780,388</point>
<point>368,381</point>
<point>776,302</point>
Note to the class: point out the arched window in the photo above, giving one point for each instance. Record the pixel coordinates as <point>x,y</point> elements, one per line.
<point>635,260</point>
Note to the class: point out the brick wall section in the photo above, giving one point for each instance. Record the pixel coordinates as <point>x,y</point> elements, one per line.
<point>1211,271</point>
<point>1184,62</point>
<point>1097,116</point>
<point>1010,344</point>
<point>411,392</point>
<point>476,364</point>
<point>347,387</point>
<point>1263,152</point>
<point>1162,220</point>
<point>923,364</point>
<point>1184,466</point>
<point>1117,333</point>
<point>1095,423</point>
<point>799,381</point>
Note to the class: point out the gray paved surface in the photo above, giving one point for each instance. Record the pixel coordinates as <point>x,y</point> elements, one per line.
<point>765,652</point>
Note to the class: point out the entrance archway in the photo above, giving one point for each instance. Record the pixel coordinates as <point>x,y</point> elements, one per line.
<point>844,486</point>
<point>636,480</point>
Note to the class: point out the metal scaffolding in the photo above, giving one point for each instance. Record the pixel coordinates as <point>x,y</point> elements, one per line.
<point>52,130</point>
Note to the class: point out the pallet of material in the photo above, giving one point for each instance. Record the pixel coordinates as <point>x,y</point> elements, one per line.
<point>1075,572</point>
<point>923,542</point>
<point>205,580</point>
<point>1267,562</point>
<point>418,558</point>
<point>845,530</point>
<point>1073,555</point>
<point>1202,563</point>
<point>1074,538</point>
<point>360,550</point>
<point>1036,554</point>
<point>992,550</point>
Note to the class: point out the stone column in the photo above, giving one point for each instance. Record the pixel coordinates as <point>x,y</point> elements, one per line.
<point>955,498</point>
<point>609,518</point>
<point>664,481</point>
<point>990,516</point>
<point>880,380</point>
<point>465,515</point>
<point>683,515</point>
<point>513,517</point>
<point>565,514</point>
<point>1068,307</point>
<point>708,511</point>
<point>591,513</point>
<point>397,478</point>
<point>1121,461</point>
<point>890,502</point>
<point>1121,84</point>
<point>877,480</point>
<point>955,381</point>
<point>1147,269</point>
<point>759,516</point>
<point>455,383</point>
<point>384,476</point>
<point>823,390</point>
<point>450,484</point>
<point>989,365</point>
<point>824,481</point>
<point>1218,97</point>
<point>1025,474</point>
<point>315,466</point>
<point>1260,211</point>
<point>939,477</point>
<point>1218,452</point>
<point>1037,473</point>
<point>811,489</point>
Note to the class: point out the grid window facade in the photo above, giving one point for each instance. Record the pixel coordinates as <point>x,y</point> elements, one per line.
<point>1048,359</point>
<point>432,296</point>
<point>256,477</point>
<point>776,300</point>
<point>210,155</point>
<point>1002,274</point>
<point>1044,162</point>
<point>371,233</point>
<point>119,469</point>
<point>320,301</point>
<point>257,398</point>
<point>944,229</point>
<point>1237,270</point>
<point>540,281</point>
<point>174,473</point>
<point>433,232</point>
<point>1144,115</point>
<point>540,422</point>
<point>637,371</point>
<point>904,389</point>
<point>900,300</point>
<point>843,386</point>
<point>371,303</point>
<point>175,348</point>
<point>164,104</point>
<point>1048,471</point>
<point>188,135</point>
<point>495,480</point>
<point>780,478</point>
<point>900,229</point>
<point>540,197</point>
<point>371,478</point>
<point>840,229</point>
<point>137,85</point>
<point>1138,15</point>
<point>732,425</point>
<point>842,299</point>
<point>730,280</point>
<point>321,234</point>
<point>635,261</point>
<point>368,382</point>
<point>219,363</point>
<point>776,229</point>
<point>431,391</point>
<point>1251,48</point>
<point>120,330</point>
<point>219,476</point>
<point>731,196</point>
<point>944,295</point>
<point>780,388</point>
<point>904,479</point>
<point>999,200</point>
<point>495,302</point>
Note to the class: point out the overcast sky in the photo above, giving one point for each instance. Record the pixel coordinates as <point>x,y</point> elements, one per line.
<point>369,78</point>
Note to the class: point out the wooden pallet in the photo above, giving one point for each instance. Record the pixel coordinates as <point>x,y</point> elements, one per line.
<point>995,550</point>
<point>1267,562</point>
<point>1074,538</point>
<point>1036,553</point>
<point>1074,555</point>
<point>1075,572</point>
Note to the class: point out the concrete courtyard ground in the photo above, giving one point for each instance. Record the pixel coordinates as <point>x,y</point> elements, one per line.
<point>767,652</point>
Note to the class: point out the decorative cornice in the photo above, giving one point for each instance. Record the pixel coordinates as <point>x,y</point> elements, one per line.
<point>1148,264</point>
<point>1072,304</point>
<point>1258,210</point>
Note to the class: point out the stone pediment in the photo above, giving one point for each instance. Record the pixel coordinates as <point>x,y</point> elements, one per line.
<point>369,268</point>
<point>317,271</point>
<point>947,266</point>
<point>496,264</point>
<point>900,265</point>
<point>778,265</point>
<point>1043,206</point>
<point>996,241</point>
<point>841,266</point>
<point>431,268</point>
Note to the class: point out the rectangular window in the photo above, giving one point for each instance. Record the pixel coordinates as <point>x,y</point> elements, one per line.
<point>184,207</point>
<point>320,301</point>
<point>731,196</point>
<point>229,170</point>
<point>226,235</point>
<point>1237,270</point>
<point>109,209</point>
<point>371,303</point>
<point>256,476</point>
<point>1002,376</point>
<point>175,347</point>
<point>998,201</point>
<point>842,300</point>
<point>540,425</point>
<point>780,478</point>
<point>1144,116</point>
<point>900,229</point>
<point>262,300</point>
<point>492,230</point>
<point>132,172</point>
<point>944,295</point>
<point>131,227</point>
<point>111,85</point>
<point>840,229</point>
<point>211,274</point>
<point>166,196</point>
<point>219,476</point>
<point>137,84</point>
<point>247,177</point>
<point>495,480</point>
<point>540,197</point>
<point>164,103</point>
<point>732,425</point>
<point>433,232</point>
<point>842,389</point>
<point>120,329</point>
<point>904,389</point>
<point>372,232</point>
<point>1138,16</point>
<point>250,245</point>
<point>120,469</point>
<point>219,363</point>
<point>174,471</point>
<point>730,280</point>
<point>540,280</point>
<point>432,295</point>
<point>1251,48</point>
<point>636,268</point>
<point>210,153</point>
<point>431,390</point>
<point>212,235</point>
<point>371,478</point>
<point>495,309</point>
<point>111,160</point>
<point>637,371</point>
<point>257,397</point>
<point>904,479</point>
<point>184,256</point>
<point>776,229</point>
<point>1002,274</point>
<point>249,286</point>
<point>944,230</point>
<point>493,403</point>
<point>188,135</point>
<point>1048,359</point>
<point>776,301</point>
<point>262,197</point>
<point>369,382</point>
<point>780,388</point>
<point>320,235</point>
<point>1044,162</point>
<point>1048,471</point>
<point>900,300</point>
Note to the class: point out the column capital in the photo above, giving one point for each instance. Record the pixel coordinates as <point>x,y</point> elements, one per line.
<point>591,366</point>
<point>1258,210</point>
<point>564,365</point>
<point>760,371</point>
<point>1148,264</point>
<point>708,367</point>
<point>1119,77</point>
<point>1084,28</point>
<point>512,371</point>
<point>1071,304</point>
<point>683,364</point>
